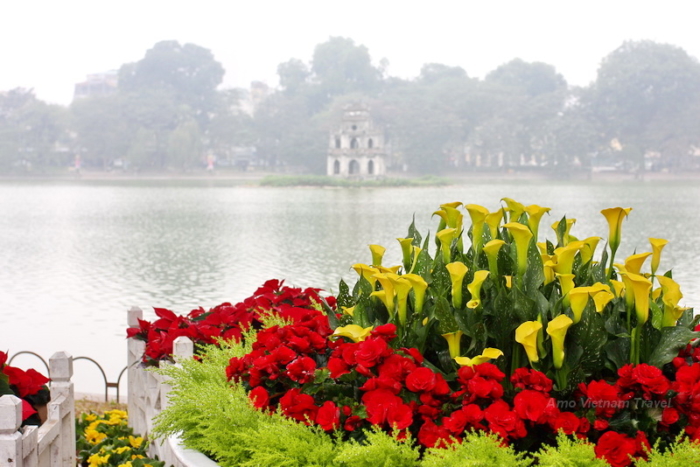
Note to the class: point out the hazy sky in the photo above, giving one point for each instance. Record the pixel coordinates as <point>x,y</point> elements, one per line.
<point>50,45</point>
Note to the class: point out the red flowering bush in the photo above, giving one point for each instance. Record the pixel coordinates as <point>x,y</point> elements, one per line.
<point>225,321</point>
<point>28,385</point>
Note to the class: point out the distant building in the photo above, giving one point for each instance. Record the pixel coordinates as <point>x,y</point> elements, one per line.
<point>357,148</point>
<point>97,84</point>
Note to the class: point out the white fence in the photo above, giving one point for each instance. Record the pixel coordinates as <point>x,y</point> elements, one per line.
<point>148,395</point>
<point>53,443</point>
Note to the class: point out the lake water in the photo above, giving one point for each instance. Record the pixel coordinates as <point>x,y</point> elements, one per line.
<point>74,256</point>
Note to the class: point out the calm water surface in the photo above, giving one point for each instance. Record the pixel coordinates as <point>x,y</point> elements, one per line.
<point>75,256</point>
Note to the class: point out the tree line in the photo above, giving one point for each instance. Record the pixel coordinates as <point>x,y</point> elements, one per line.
<point>168,113</point>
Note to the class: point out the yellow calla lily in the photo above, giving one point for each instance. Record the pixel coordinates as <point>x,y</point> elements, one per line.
<point>491,250</point>
<point>548,267</point>
<point>415,251</point>
<point>446,236</point>
<point>475,288</point>
<point>615,216</point>
<point>535,214</point>
<point>401,287</point>
<point>565,257</point>
<point>454,217</point>
<point>457,272</point>
<point>566,238</point>
<point>588,249</point>
<point>353,331</point>
<point>443,219</point>
<point>618,287</point>
<point>671,296</point>
<point>493,220</point>
<point>556,329</point>
<point>348,310</point>
<point>453,342</point>
<point>601,299</point>
<point>509,281</point>
<point>566,283</point>
<point>478,217</point>
<point>526,335</point>
<point>377,254</point>
<point>366,271</point>
<point>489,353</point>
<point>406,244</point>
<point>634,263</point>
<point>515,209</point>
<point>386,281</point>
<point>453,204</point>
<point>657,244</point>
<point>392,270</point>
<point>641,286</point>
<point>521,236</point>
<point>419,287</point>
<point>578,298</point>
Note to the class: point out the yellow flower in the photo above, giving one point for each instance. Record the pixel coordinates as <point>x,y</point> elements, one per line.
<point>535,214</point>
<point>453,343</point>
<point>565,257</point>
<point>126,464</point>
<point>634,263</point>
<point>521,236</point>
<point>122,449</point>
<point>478,216</point>
<point>515,209</point>
<point>377,254</point>
<point>526,335</point>
<point>641,286</point>
<point>90,417</point>
<point>406,244</point>
<point>386,281</point>
<point>475,288</point>
<point>618,287</point>
<point>457,272</point>
<point>615,216</point>
<point>93,436</point>
<point>401,287</point>
<point>588,249</point>
<point>367,272</point>
<point>566,238</point>
<point>578,298</point>
<point>493,220</point>
<point>491,249</point>
<point>135,441</point>
<point>657,244</point>
<point>671,296</point>
<point>96,460</point>
<point>566,282</point>
<point>548,267</point>
<point>509,281</point>
<point>446,236</point>
<point>489,353</point>
<point>348,310</point>
<point>601,299</point>
<point>353,331</point>
<point>419,286</point>
<point>557,331</point>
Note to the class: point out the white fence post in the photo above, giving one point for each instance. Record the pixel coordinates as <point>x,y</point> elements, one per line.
<point>62,392</point>
<point>10,437</point>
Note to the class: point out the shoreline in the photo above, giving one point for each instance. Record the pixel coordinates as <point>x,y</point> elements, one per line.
<point>253,178</point>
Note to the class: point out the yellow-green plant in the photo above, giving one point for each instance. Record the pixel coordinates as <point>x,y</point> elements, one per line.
<point>558,306</point>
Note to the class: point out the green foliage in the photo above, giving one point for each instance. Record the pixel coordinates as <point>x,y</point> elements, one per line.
<point>682,453</point>
<point>477,450</point>
<point>380,449</point>
<point>569,452</point>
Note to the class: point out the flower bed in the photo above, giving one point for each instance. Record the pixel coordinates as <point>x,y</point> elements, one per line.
<point>29,386</point>
<point>528,342</point>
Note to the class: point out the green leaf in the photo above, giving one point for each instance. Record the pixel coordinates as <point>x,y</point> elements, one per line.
<point>443,312</point>
<point>344,298</point>
<point>657,315</point>
<point>534,275</point>
<point>413,232</point>
<point>617,352</point>
<point>673,339</point>
<point>591,335</point>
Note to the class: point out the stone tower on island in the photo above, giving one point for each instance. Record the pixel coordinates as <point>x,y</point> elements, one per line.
<point>357,148</point>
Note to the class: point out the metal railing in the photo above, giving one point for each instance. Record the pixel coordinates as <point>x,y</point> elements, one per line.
<point>107,383</point>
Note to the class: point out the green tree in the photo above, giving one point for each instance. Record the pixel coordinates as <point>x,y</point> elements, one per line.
<point>645,93</point>
<point>103,131</point>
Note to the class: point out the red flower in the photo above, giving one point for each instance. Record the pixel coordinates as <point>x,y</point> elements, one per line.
<point>619,450</point>
<point>27,410</point>
<point>421,380</point>
<point>669,416</point>
<point>387,332</point>
<point>568,422</point>
<point>530,405</point>
<point>399,416</point>
<point>604,397</point>
<point>469,416</point>
<point>430,435</point>
<point>298,406</point>
<point>525,378</point>
<point>260,397</point>
<point>370,351</point>
<point>646,378</point>
<point>378,403</point>
<point>504,421</point>
<point>27,382</point>
<point>328,416</point>
<point>337,367</point>
<point>301,370</point>
<point>3,358</point>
